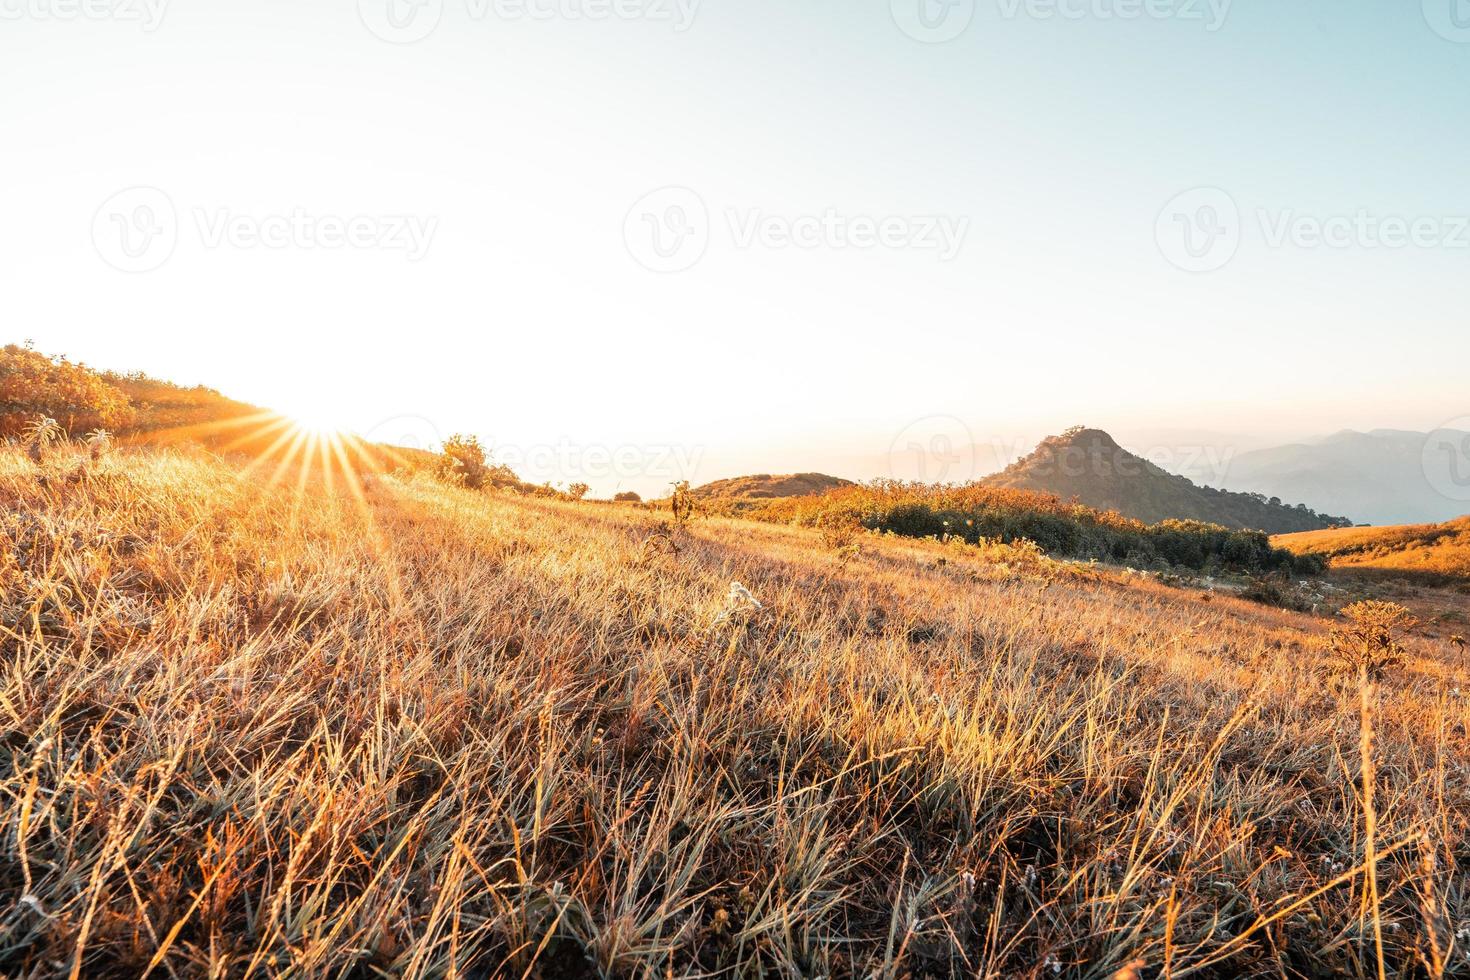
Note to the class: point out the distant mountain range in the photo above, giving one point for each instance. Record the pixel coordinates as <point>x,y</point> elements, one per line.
<point>1386,476</point>
<point>1382,477</point>
<point>1088,466</point>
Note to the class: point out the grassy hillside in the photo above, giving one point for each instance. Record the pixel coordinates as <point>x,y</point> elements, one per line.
<point>170,412</point>
<point>1086,465</point>
<point>976,512</point>
<point>412,730</point>
<point>765,486</point>
<point>1429,552</point>
<point>34,386</point>
<point>140,410</point>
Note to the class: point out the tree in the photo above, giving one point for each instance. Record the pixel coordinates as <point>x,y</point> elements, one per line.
<point>578,490</point>
<point>34,386</point>
<point>628,497</point>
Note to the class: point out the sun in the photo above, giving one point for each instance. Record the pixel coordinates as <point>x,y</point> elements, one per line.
<point>318,420</point>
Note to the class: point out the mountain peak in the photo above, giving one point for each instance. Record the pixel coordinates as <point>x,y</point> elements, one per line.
<point>1082,435</point>
<point>1088,465</point>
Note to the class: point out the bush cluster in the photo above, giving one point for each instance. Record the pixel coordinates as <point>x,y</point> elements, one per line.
<point>34,386</point>
<point>974,512</point>
<point>463,461</point>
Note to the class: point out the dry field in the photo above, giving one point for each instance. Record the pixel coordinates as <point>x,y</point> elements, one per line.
<point>1433,553</point>
<point>423,731</point>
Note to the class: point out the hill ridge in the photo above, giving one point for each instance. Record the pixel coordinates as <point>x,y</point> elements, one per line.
<point>1089,466</point>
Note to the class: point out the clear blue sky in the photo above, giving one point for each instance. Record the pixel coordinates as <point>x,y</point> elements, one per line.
<point>524,144</point>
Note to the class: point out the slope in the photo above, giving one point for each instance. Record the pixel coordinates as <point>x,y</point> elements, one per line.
<point>1089,466</point>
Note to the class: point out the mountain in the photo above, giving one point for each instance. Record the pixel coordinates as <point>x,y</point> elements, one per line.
<point>764,486</point>
<point>1386,476</point>
<point>1089,466</point>
<point>1432,553</point>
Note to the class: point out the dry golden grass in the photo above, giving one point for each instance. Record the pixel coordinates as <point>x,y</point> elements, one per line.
<point>430,732</point>
<point>1424,552</point>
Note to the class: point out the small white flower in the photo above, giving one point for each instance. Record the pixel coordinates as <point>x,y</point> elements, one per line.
<point>740,595</point>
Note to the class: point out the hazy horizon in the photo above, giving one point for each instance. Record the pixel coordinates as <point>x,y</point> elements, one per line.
<point>780,237</point>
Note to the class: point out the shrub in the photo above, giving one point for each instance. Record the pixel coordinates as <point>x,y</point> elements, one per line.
<point>681,503</point>
<point>1368,644</point>
<point>578,490</point>
<point>628,497</point>
<point>462,459</point>
<point>34,386</point>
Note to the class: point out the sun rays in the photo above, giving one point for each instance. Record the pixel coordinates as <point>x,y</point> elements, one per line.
<point>303,455</point>
<point>306,453</point>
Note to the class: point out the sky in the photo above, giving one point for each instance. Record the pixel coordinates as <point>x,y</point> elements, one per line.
<point>630,241</point>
